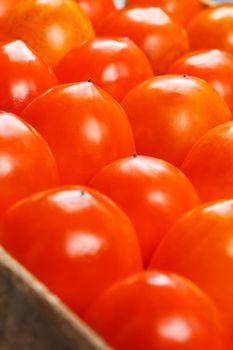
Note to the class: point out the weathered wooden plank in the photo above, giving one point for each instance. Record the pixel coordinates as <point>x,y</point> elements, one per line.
<point>215,2</point>
<point>31,318</point>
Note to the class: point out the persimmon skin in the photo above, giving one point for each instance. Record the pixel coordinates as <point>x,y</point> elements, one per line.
<point>114,64</point>
<point>84,127</point>
<point>153,193</point>
<point>169,113</point>
<point>24,76</point>
<point>27,165</point>
<point>181,11</point>
<point>199,247</point>
<point>214,66</point>
<point>212,155</point>
<point>66,237</point>
<point>162,39</point>
<point>156,310</point>
<point>50,27</point>
<point>6,7</point>
<point>97,10</point>
<point>212,29</point>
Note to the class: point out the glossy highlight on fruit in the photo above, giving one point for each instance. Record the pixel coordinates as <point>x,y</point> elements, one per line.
<point>23,76</point>
<point>209,164</point>
<point>27,165</point>
<point>85,128</point>
<point>66,237</point>
<point>212,29</point>
<point>158,311</point>
<point>181,11</point>
<point>114,64</point>
<point>162,39</point>
<point>200,247</point>
<point>169,113</point>
<point>6,7</point>
<point>50,27</point>
<point>97,10</point>
<point>153,193</point>
<point>214,66</point>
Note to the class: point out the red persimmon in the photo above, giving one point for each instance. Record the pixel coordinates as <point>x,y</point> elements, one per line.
<point>114,64</point>
<point>162,39</point>
<point>75,240</point>
<point>181,11</point>
<point>209,164</point>
<point>26,162</point>
<point>212,29</point>
<point>23,77</point>
<point>200,247</point>
<point>158,311</point>
<point>85,128</point>
<point>214,66</point>
<point>50,27</point>
<point>152,192</point>
<point>97,9</point>
<point>6,7</point>
<point>168,114</point>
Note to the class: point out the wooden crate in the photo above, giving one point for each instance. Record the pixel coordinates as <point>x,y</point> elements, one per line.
<point>32,318</point>
<point>214,2</point>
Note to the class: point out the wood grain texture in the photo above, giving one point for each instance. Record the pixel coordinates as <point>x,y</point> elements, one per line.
<point>31,318</point>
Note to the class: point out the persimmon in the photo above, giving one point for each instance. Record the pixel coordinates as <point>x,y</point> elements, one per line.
<point>181,11</point>
<point>162,39</point>
<point>169,113</point>
<point>114,64</point>
<point>50,27</point>
<point>84,127</point>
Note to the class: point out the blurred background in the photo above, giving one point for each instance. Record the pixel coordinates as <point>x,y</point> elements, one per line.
<point>119,3</point>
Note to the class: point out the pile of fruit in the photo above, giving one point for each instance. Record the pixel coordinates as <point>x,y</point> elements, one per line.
<point>116,164</point>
